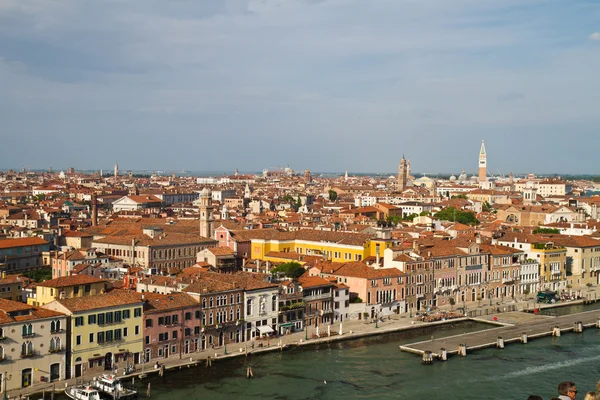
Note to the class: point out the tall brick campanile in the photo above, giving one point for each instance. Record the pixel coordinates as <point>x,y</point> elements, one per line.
<point>482,163</point>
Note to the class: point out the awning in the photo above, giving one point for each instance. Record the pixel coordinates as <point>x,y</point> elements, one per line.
<point>286,325</point>
<point>264,329</point>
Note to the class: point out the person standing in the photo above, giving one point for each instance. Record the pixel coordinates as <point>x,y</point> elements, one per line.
<point>567,390</point>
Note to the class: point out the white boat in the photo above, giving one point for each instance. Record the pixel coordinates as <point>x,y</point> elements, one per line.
<point>85,392</point>
<point>112,387</point>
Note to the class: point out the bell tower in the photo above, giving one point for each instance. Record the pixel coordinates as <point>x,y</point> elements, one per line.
<point>482,163</point>
<point>206,213</point>
<point>402,175</point>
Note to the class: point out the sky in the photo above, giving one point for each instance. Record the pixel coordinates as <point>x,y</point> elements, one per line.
<point>325,85</point>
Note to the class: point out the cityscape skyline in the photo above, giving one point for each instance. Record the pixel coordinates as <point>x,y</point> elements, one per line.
<point>329,85</point>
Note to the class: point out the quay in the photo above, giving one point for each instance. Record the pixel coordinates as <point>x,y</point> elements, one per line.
<point>530,326</point>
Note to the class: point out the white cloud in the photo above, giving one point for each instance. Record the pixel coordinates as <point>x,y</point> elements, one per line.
<point>595,36</point>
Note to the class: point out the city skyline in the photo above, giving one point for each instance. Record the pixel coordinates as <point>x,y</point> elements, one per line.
<point>329,85</point>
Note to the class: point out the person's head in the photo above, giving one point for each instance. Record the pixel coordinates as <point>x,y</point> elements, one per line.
<point>592,396</point>
<point>534,397</point>
<point>567,388</point>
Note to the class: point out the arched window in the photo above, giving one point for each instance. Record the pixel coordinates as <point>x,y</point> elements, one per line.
<point>55,326</point>
<point>210,302</point>
<point>238,298</point>
<point>204,302</point>
<point>231,314</point>
<point>27,349</point>
<point>249,307</point>
<point>1,353</point>
<point>27,330</point>
<point>210,318</point>
<point>231,299</point>
<point>274,303</point>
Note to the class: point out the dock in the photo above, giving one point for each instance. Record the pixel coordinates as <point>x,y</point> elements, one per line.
<point>506,332</point>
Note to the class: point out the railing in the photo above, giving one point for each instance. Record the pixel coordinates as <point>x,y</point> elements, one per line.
<point>28,354</point>
<point>28,335</point>
<point>318,297</point>
<point>56,350</point>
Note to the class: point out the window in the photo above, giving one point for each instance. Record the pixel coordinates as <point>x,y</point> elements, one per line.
<point>78,321</point>
<point>117,316</point>
<point>27,330</point>
<point>174,335</point>
<point>161,320</point>
<point>210,302</point>
<point>149,323</point>
<point>137,312</point>
<point>197,315</point>
<point>124,332</point>
<point>147,339</point>
<point>76,290</point>
<point>126,314</point>
<point>249,307</point>
<point>91,337</point>
<point>109,336</point>
<point>54,326</point>
<point>137,329</point>
<point>175,319</point>
<point>188,316</point>
<point>109,317</point>
<point>100,319</point>
<point>100,337</point>
<point>168,320</point>
<point>204,302</point>
<point>91,319</point>
<point>117,334</point>
<point>78,340</point>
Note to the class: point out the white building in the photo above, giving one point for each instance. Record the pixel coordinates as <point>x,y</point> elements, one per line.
<point>261,309</point>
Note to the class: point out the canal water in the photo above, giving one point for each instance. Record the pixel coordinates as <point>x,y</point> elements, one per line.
<point>375,368</point>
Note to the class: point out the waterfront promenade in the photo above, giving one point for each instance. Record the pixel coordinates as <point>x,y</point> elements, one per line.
<point>352,329</point>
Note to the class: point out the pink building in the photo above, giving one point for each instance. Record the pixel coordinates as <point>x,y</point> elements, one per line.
<point>171,325</point>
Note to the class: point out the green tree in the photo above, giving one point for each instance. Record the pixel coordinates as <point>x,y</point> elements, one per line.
<point>459,196</point>
<point>290,269</point>
<point>452,214</point>
<point>332,195</point>
<point>39,275</point>
<point>356,300</point>
<point>546,231</point>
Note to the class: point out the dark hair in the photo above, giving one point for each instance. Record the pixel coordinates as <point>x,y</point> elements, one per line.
<point>564,387</point>
<point>534,397</point>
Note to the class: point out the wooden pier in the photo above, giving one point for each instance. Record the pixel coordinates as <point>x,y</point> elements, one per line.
<point>531,327</point>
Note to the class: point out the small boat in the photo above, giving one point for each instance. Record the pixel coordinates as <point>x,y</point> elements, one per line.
<point>84,392</point>
<point>110,385</point>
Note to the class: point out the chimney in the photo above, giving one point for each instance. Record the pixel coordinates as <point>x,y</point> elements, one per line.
<point>416,247</point>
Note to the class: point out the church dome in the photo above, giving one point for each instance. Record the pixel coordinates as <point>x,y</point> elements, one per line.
<point>452,178</point>
<point>463,176</point>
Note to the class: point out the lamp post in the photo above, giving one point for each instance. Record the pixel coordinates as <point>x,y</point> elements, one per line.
<point>410,315</point>
<point>5,378</point>
<point>376,319</point>
<point>305,329</point>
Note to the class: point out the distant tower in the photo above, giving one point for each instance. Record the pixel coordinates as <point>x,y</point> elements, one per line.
<point>116,169</point>
<point>408,169</point>
<point>247,191</point>
<point>307,177</point>
<point>402,175</point>
<point>237,173</point>
<point>511,182</point>
<point>482,163</point>
<point>224,212</point>
<point>134,190</point>
<point>346,176</point>
<point>94,209</point>
<point>206,213</point>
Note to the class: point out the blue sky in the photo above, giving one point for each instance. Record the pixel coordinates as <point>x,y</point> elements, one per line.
<point>326,85</point>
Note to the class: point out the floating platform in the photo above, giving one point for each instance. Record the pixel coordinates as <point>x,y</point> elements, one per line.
<point>531,328</point>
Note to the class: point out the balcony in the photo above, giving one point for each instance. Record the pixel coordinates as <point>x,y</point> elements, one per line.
<point>323,296</point>
<point>28,335</point>
<point>293,306</point>
<point>56,350</point>
<point>28,354</point>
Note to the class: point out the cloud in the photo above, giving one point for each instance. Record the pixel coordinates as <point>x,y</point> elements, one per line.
<point>595,36</point>
<point>280,69</point>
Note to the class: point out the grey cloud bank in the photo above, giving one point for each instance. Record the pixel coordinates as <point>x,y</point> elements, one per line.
<point>325,85</point>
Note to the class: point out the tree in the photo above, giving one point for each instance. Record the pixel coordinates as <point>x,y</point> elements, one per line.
<point>546,231</point>
<point>332,195</point>
<point>459,196</point>
<point>356,300</point>
<point>39,275</point>
<point>452,303</point>
<point>452,214</point>
<point>290,269</point>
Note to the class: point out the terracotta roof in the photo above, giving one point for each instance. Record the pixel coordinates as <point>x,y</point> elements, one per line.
<point>114,298</point>
<point>14,311</point>
<point>71,280</point>
<point>313,281</point>
<point>221,251</point>
<point>156,302</point>
<point>21,242</point>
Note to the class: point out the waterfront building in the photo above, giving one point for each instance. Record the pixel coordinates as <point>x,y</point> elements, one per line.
<point>32,345</point>
<point>317,294</point>
<point>221,303</point>
<point>171,325</point>
<point>375,287</point>
<point>504,275</point>
<point>553,265</point>
<point>291,307</point>
<point>105,331</point>
<point>341,302</point>
<point>261,311</point>
<point>67,287</point>
<point>22,254</point>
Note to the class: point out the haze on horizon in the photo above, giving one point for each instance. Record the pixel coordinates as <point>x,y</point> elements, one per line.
<point>325,85</point>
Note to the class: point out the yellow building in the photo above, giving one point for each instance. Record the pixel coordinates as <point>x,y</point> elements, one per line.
<point>67,287</point>
<point>553,265</point>
<point>105,331</point>
<point>333,245</point>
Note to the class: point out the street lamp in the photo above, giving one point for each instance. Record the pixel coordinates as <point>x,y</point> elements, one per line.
<point>5,377</point>
<point>376,319</point>
<point>410,311</point>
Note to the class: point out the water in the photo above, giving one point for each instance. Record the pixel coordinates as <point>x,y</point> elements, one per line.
<point>375,368</point>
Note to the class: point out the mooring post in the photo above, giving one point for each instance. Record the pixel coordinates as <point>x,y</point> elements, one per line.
<point>427,357</point>
<point>556,331</point>
<point>578,327</point>
<point>462,350</point>
<point>598,323</point>
<point>500,342</point>
<point>443,354</point>
<point>524,337</point>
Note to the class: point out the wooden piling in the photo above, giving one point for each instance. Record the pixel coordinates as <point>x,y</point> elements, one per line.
<point>427,357</point>
<point>524,337</point>
<point>556,331</point>
<point>500,342</point>
<point>443,354</point>
<point>578,327</point>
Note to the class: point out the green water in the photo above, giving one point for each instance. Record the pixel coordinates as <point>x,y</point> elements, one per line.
<point>375,368</point>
